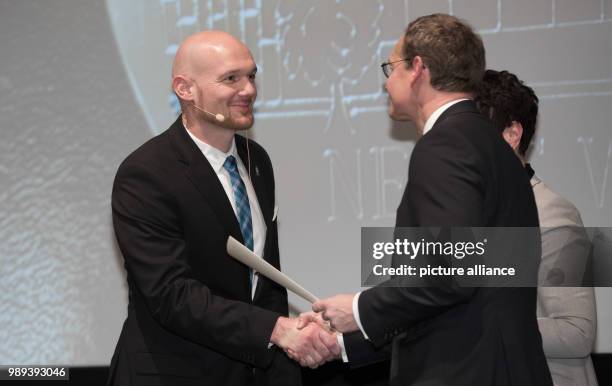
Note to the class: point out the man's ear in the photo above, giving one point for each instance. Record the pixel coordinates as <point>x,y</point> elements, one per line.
<point>418,67</point>
<point>182,87</point>
<point>513,134</point>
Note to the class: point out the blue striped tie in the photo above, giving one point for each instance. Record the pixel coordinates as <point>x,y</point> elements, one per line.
<point>243,209</point>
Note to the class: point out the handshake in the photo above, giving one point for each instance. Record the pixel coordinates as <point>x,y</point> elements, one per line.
<point>308,339</point>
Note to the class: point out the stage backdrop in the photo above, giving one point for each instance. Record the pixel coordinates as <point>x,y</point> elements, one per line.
<point>83,83</point>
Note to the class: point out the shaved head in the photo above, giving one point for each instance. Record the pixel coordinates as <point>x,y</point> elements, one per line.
<point>202,49</point>
<point>213,75</point>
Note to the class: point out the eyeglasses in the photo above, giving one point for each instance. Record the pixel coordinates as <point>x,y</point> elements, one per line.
<point>387,67</point>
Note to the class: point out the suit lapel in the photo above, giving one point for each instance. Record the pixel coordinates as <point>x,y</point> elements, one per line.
<point>202,175</point>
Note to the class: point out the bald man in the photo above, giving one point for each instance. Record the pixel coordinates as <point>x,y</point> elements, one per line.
<point>195,315</point>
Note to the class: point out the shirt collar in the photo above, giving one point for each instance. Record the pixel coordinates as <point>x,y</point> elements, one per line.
<point>436,114</point>
<point>215,157</point>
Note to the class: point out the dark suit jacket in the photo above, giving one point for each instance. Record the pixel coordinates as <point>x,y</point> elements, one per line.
<point>461,174</point>
<point>190,318</point>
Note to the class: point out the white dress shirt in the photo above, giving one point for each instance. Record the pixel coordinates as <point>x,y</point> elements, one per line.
<point>216,158</point>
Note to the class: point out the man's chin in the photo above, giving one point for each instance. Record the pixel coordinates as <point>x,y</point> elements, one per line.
<point>242,123</point>
<point>398,117</point>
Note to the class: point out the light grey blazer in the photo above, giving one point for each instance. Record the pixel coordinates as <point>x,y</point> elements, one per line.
<point>566,315</point>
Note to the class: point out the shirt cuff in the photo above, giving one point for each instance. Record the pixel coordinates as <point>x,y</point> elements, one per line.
<point>340,338</point>
<point>356,315</point>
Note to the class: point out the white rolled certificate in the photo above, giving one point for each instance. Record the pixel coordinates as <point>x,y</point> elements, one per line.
<point>247,257</point>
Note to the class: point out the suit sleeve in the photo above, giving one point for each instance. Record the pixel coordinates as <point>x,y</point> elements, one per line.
<point>361,352</point>
<point>445,188</point>
<point>149,233</point>
<point>568,329</point>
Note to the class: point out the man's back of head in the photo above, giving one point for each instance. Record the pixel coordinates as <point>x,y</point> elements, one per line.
<point>506,100</point>
<point>450,49</point>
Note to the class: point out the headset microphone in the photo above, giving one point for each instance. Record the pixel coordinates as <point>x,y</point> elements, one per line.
<point>218,117</point>
<point>221,118</point>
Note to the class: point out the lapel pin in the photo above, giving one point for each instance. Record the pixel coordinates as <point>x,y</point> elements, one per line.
<point>256,171</point>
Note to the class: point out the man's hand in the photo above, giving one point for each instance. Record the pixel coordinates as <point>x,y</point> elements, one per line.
<point>313,317</point>
<point>338,311</point>
<point>310,346</point>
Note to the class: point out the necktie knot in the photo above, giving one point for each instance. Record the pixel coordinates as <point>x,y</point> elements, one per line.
<point>230,164</point>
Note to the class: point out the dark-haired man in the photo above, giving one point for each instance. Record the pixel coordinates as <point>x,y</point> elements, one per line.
<point>461,174</point>
<point>566,315</point>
